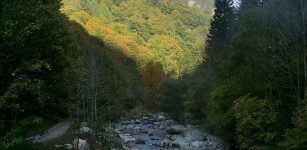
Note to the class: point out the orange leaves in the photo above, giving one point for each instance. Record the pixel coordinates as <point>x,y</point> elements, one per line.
<point>107,31</point>
<point>122,42</point>
<point>152,75</point>
<point>125,43</point>
<point>166,32</point>
<point>145,52</point>
<point>175,13</point>
<point>63,10</point>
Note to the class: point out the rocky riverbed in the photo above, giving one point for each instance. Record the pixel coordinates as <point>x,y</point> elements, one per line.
<point>159,132</point>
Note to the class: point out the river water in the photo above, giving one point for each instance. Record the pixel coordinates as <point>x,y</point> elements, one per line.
<point>159,132</point>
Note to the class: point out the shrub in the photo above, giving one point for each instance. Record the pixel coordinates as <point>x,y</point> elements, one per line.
<point>14,141</point>
<point>255,120</point>
<point>296,137</point>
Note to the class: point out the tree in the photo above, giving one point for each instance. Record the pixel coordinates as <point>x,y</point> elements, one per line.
<point>296,137</point>
<point>168,52</point>
<point>248,4</point>
<point>266,59</point>
<point>220,34</point>
<point>218,45</point>
<point>152,75</point>
<point>171,98</point>
<point>37,59</point>
<point>212,72</point>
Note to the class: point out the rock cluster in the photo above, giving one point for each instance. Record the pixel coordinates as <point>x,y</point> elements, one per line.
<point>78,144</point>
<point>158,131</point>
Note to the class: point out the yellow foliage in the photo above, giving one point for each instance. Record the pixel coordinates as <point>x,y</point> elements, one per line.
<point>175,13</point>
<point>107,31</point>
<point>80,16</point>
<point>120,28</point>
<point>139,30</point>
<point>102,1</point>
<point>93,25</point>
<point>122,42</point>
<point>145,52</point>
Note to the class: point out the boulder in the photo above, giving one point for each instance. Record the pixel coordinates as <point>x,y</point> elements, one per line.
<point>162,127</point>
<point>173,137</point>
<point>165,124</point>
<point>165,143</point>
<point>83,124</point>
<point>139,141</point>
<point>155,144</point>
<point>156,123</point>
<point>65,146</point>
<point>130,126</point>
<point>175,145</point>
<point>80,144</point>
<point>182,143</point>
<point>126,138</point>
<point>197,144</point>
<point>68,146</point>
<point>154,138</point>
<point>190,127</point>
<point>149,126</point>
<point>150,134</point>
<point>160,118</point>
<point>143,130</point>
<point>137,121</point>
<point>176,129</point>
<point>86,130</point>
<point>130,145</point>
<point>125,122</point>
<point>205,138</point>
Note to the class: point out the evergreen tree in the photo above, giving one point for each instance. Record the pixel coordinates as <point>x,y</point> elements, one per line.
<point>217,48</point>
<point>199,101</point>
<point>220,35</point>
<point>248,4</point>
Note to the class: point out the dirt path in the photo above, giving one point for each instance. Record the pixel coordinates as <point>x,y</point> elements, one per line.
<point>54,132</point>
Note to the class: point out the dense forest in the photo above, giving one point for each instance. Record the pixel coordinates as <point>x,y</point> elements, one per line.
<point>236,71</point>
<point>251,89</point>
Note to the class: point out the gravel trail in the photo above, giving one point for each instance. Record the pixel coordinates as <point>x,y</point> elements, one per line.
<point>54,132</point>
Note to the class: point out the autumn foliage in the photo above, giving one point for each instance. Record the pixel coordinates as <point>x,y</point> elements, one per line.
<point>152,75</point>
<point>161,31</point>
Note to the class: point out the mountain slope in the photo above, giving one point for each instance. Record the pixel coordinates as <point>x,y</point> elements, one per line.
<point>162,31</point>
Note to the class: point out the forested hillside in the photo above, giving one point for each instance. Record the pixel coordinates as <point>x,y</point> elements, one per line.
<point>251,89</point>
<point>39,67</point>
<point>165,32</point>
<point>227,76</point>
<point>92,59</point>
<point>143,42</point>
